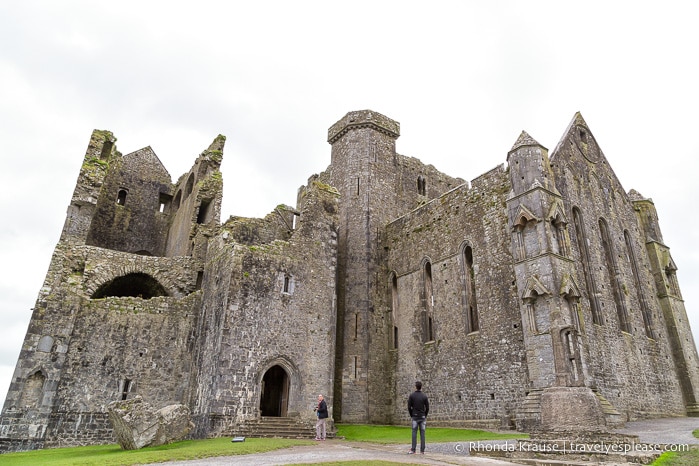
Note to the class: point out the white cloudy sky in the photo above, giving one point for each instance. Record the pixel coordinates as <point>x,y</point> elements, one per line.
<point>463,78</point>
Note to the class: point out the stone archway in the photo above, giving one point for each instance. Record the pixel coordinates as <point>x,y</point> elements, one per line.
<point>274,398</point>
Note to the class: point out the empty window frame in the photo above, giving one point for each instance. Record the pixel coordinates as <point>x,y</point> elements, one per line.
<point>469,289</point>
<point>591,286</point>
<point>428,303</point>
<point>121,196</point>
<point>614,279</point>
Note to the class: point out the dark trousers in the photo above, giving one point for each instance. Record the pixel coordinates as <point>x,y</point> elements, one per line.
<point>419,422</point>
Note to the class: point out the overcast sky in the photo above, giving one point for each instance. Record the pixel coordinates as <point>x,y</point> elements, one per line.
<point>463,78</point>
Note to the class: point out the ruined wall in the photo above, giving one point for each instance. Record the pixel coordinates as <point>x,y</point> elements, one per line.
<point>631,365</point>
<point>196,201</point>
<point>386,272</point>
<point>277,309</point>
<point>81,352</point>
<point>127,214</point>
<point>469,375</point>
<point>277,225</point>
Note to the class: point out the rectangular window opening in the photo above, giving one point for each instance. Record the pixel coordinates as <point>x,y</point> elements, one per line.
<point>204,211</point>
<point>126,388</point>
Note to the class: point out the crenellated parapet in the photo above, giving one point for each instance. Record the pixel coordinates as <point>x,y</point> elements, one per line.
<point>363,119</point>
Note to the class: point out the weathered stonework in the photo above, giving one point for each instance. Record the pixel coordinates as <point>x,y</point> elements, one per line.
<point>539,277</point>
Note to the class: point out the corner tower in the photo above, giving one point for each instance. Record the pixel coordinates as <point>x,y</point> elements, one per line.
<point>363,169</point>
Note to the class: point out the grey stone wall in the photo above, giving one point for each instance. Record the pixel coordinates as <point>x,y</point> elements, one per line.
<point>477,375</point>
<point>127,214</point>
<point>254,323</point>
<point>539,274</point>
<point>632,370</point>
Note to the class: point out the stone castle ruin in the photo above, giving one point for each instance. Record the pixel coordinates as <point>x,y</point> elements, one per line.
<point>540,277</point>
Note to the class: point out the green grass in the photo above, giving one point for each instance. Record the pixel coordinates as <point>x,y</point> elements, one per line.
<point>671,458</point>
<point>108,455</point>
<point>688,458</point>
<point>399,434</point>
<point>113,455</point>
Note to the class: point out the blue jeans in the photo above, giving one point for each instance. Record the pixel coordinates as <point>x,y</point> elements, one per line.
<point>420,422</point>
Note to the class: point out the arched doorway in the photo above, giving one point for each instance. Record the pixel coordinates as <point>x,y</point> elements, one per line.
<point>275,392</point>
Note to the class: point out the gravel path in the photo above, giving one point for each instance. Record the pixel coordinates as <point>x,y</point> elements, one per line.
<point>339,450</point>
<point>664,431</point>
<point>658,431</point>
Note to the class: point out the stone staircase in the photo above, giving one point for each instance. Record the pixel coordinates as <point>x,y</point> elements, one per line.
<point>279,427</point>
<point>528,415</point>
<point>529,412</point>
<point>613,417</point>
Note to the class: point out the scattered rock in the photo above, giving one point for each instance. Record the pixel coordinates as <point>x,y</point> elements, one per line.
<point>136,424</point>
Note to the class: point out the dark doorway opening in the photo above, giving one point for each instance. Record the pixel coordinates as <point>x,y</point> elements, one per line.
<point>275,392</point>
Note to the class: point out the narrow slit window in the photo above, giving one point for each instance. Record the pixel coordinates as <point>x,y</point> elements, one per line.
<point>121,197</point>
<point>126,388</point>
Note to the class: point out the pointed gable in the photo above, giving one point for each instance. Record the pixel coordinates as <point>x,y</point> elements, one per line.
<point>578,136</point>
<point>579,155</point>
<point>524,140</point>
<point>557,211</point>
<point>534,288</point>
<point>523,216</point>
<point>147,163</point>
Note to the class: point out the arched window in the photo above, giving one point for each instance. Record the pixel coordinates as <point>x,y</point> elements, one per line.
<point>428,303</point>
<point>33,390</point>
<point>394,310</point>
<point>560,245</point>
<point>645,311</point>
<point>581,236</point>
<point>121,197</point>
<point>614,279</point>
<point>469,290</point>
<point>287,285</point>
<point>190,186</point>
<point>178,199</point>
<point>421,185</point>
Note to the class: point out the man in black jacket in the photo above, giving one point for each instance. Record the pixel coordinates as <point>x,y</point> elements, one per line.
<point>418,408</point>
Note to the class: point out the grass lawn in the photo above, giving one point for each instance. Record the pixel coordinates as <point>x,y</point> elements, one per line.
<point>113,455</point>
<point>685,458</point>
<point>108,455</point>
<point>688,458</point>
